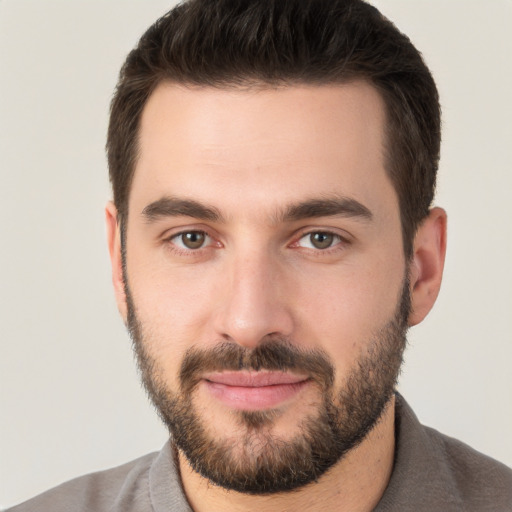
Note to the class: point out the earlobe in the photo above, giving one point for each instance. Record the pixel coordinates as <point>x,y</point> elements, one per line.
<point>114,247</point>
<point>426,270</point>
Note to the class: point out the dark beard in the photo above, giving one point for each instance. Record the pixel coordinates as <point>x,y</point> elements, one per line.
<point>268,464</point>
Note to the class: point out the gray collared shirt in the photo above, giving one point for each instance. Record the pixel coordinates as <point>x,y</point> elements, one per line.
<point>431,472</point>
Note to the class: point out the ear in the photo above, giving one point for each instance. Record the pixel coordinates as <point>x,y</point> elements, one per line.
<point>114,247</point>
<point>426,270</point>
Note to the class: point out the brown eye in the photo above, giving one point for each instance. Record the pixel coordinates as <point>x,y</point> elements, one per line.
<point>191,239</point>
<point>321,240</point>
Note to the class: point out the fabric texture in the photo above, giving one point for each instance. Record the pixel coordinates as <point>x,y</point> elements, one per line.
<point>431,472</point>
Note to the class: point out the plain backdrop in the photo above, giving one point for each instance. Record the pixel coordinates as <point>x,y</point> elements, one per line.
<point>70,397</point>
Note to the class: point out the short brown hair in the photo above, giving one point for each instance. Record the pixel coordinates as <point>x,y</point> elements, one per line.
<point>231,43</point>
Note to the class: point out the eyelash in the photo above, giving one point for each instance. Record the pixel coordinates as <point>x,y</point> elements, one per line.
<point>184,250</point>
<point>339,244</point>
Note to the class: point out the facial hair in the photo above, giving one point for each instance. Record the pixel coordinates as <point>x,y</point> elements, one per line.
<point>259,463</point>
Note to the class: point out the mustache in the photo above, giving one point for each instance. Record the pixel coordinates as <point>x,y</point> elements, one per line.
<point>274,354</point>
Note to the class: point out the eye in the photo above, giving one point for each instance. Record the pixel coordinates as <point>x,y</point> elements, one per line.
<point>191,240</point>
<point>319,240</point>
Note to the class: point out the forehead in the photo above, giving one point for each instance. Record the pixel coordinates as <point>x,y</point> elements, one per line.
<point>269,146</point>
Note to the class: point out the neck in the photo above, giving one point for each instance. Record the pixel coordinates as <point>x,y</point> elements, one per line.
<point>355,483</point>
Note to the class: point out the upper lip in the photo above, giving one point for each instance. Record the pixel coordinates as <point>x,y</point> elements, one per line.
<point>254,379</point>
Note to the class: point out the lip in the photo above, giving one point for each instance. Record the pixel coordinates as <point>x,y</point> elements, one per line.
<point>252,391</point>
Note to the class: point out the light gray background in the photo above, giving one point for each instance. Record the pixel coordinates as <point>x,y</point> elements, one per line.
<point>70,399</point>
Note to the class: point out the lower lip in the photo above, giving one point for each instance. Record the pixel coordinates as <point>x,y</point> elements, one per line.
<point>254,398</point>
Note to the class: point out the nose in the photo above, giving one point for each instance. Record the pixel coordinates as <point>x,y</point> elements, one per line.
<point>253,301</point>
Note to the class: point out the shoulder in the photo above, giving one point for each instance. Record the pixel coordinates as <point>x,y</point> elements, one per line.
<point>97,491</point>
<point>479,479</point>
<point>435,472</point>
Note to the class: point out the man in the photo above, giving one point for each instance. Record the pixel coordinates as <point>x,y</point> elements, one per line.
<point>272,239</point>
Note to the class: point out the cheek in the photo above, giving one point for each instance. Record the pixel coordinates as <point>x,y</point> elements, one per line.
<point>342,310</point>
<point>173,308</point>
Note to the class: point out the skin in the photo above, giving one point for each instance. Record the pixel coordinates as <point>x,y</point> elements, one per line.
<point>250,154</point>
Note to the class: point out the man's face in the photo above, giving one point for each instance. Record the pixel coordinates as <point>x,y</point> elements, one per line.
<point>265,276</point>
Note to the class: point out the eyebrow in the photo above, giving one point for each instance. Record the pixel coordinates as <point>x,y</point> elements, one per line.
<point>176,207</point>
<point>337,206</point>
